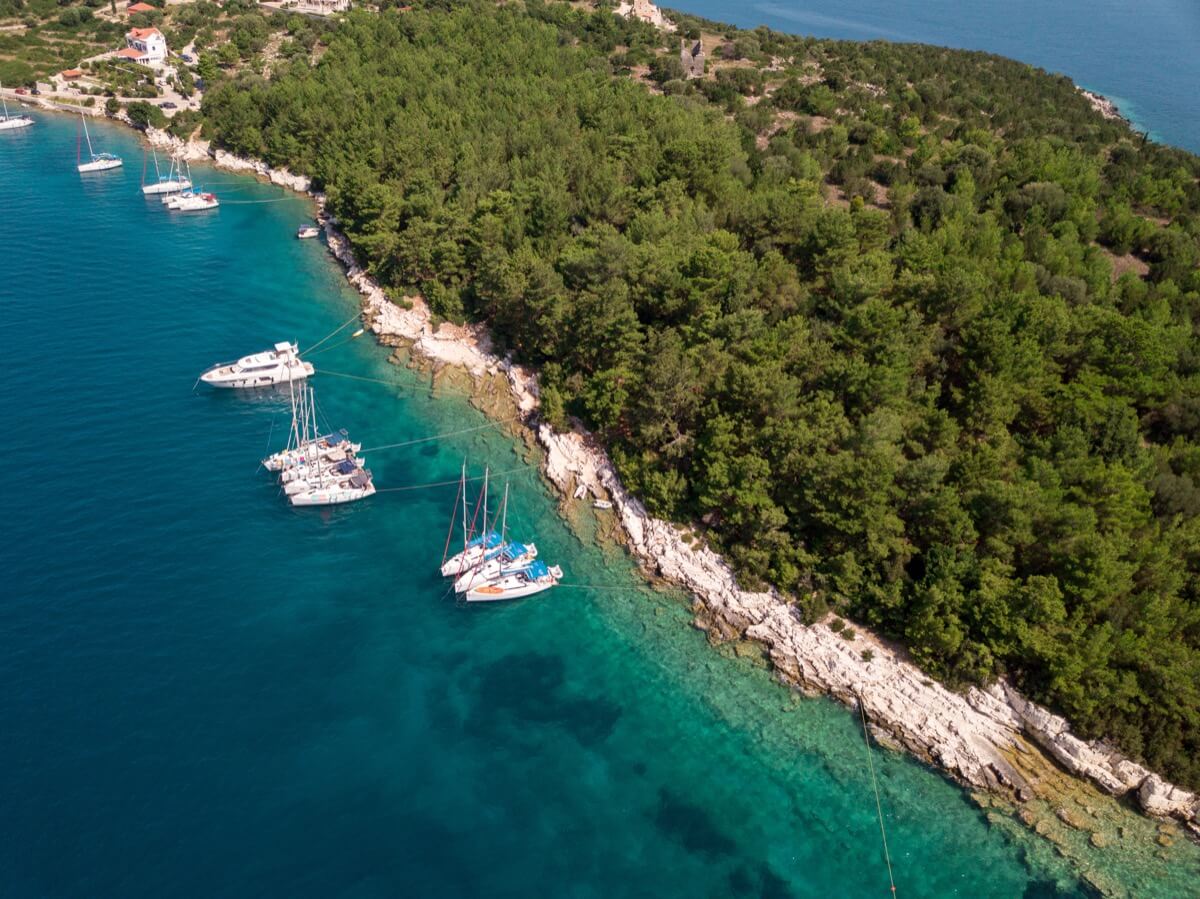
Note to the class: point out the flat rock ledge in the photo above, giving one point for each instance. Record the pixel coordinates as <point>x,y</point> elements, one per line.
<point>993,739</point>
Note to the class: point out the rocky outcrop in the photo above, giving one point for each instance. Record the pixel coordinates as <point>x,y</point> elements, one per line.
<point>1103,105</point>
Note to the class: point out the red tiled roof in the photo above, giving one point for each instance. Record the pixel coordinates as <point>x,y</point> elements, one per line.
<point>142,32</point>
<point>71,73</point>
<point>130,53</point>
<point>142,7</point>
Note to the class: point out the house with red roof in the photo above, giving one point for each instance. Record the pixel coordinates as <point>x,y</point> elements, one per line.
<point>144,45</point>
<point>140,7</point>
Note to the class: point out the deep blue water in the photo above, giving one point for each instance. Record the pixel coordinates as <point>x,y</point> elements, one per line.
<point>1144,55</point>
<point>206,693</point>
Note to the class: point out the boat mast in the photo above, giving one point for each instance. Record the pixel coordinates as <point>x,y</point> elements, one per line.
<point>5,102</point>
<point>91,152</point>
<point>504,515</point>
<point>484,532</point>
<point>157,173</point>
<point>464,503</point>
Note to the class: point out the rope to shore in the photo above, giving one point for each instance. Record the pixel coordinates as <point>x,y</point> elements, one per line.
<point>484,427</point>
<point>875,785</point>
<point>387,383</point>
<point>340,327</point>
<point>526,469</point>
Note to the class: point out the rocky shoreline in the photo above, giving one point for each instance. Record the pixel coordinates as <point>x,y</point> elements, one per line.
<point>1103,105</point>
<point>991,739</point>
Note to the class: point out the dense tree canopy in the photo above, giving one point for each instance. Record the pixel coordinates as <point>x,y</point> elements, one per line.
<point>913,334</point>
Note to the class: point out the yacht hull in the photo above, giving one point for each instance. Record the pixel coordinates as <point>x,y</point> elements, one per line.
<point>100,165</point>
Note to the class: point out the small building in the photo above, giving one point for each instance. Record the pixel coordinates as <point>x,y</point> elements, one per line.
<point>71,74</point>
<point>140,7</point>
<point>144,45</point>
<point>691,56</point>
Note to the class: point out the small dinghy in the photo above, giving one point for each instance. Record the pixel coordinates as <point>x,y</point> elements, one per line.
<point>535,577</point>
<point>280,365</point>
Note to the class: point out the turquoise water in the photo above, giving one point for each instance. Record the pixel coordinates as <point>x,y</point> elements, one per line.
<point>1145,56</point>
<point>208,693</point>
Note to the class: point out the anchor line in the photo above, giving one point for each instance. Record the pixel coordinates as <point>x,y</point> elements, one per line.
<point>339,328</point>
<point>875,786</point>
<point>491,424</point>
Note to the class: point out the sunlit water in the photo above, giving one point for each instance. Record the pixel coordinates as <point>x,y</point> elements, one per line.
<point>208,693</point>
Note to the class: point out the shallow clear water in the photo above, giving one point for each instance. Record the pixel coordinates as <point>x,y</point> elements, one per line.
<point>1145,56</point>
<point>206,692</point>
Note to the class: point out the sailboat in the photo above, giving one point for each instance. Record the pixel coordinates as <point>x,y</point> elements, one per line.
<point>170,183</point>
<point>474,548</point>
<point>99,162</point>
<point>495,561</point>
<point>527,580</point>
<point>12,122</point>
<point>191,198</point>
<point>329,483</point>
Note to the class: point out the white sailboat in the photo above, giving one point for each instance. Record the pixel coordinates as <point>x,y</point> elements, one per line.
<point>171,183</point>
<point>279,365</point>
<point>97,162</point>
<point>474,548</point>
<point>10,122</point>
<point>533,578</point>
<point>494,562</point>
<point>191,198</point>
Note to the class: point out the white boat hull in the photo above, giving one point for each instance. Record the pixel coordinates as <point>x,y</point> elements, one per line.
<point>166,187</point>
<point>498,593</point>
<point>12,123</point>
<point>491,570</point>
<point>99,165</point>
<point>268,378</point>
<point>456,565</point>
<point>331,496</point>
<point>193,204</point>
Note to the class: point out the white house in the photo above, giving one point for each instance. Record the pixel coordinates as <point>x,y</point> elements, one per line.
<point>144,45</point>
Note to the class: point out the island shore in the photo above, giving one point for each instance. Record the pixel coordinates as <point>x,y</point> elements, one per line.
<point>993,739</point>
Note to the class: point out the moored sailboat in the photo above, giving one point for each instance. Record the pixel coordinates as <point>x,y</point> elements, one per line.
<point>97,162</point>
<point>10,121</point>
<point>535,577</point>
<point>171,183</point>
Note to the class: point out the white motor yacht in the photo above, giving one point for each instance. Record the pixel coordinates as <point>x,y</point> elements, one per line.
<point>304,232</point>
<point>280,365</point>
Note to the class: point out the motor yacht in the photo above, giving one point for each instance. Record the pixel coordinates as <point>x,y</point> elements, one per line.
<point>280,365</point>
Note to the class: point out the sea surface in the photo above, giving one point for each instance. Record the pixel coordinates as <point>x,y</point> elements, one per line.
<point>206,693</point>
<point>1144,56</point>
